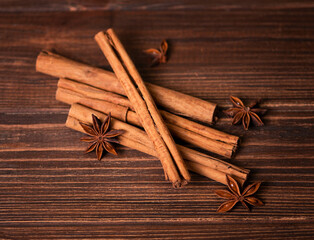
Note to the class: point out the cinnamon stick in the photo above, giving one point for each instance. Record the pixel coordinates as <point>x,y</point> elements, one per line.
<point>93,92</point>
<point>144,106</point>
<point>137,139</point>
<point>178,126</point>
<point>179,103</point>
<point>117,111</point>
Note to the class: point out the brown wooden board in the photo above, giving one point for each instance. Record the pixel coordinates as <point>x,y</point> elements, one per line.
<point>49,189</point>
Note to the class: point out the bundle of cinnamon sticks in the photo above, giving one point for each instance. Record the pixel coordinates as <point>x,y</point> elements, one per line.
<point>91,90</point>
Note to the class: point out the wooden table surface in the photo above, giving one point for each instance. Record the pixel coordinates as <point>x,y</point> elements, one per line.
<point>251,49</point>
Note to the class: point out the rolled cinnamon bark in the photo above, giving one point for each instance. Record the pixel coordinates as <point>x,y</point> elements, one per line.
<point>135,138</point>
<point>144,106</point>
<point>179,103</point>
<point>178,126</point>
<point>93,92</point>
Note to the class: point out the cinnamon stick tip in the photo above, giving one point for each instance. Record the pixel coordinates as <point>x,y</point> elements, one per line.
<point>179,184</point>
<point>176,184</point>
<point>233,152</point>
<point>184,182</point>
<point>41,54</point>
<point>214,116</point>
<point>38,59</point>
<point>99,35</point>
<point>109,29</point>
<point>187,177</point>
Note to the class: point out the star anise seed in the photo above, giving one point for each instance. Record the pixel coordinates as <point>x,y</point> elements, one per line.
<point>100,136</point>
<point>158,55</point>
<point>245,113</point>
<point>234,195</point>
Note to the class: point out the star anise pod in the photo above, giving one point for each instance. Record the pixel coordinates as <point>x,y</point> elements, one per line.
<point>158,55</point>
<point>100,137</point>
<point>240,111</point>
<point>236,196</point>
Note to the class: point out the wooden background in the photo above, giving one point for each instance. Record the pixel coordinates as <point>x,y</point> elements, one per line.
<point>250,49</point>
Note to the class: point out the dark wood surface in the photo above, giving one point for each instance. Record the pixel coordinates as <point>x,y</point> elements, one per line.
<point>250,49</point>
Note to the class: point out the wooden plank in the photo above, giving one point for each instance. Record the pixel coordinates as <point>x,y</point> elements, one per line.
<point>160,230</point>
<point>252,49</point>
<point>142,5</point>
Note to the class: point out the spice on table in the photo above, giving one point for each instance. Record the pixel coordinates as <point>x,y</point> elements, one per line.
<point>158,55</point>
<point>181,104</point>
<point>191,132</point>
<point>136,138</point>
<point>100,137</point>
<point>235,195</point>
<point>145,107</point>
<point>245,113</point>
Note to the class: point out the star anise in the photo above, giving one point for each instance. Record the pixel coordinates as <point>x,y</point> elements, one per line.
<point>158,55</point>
<point>100,137</point>
<point>235,195</point>
<point>240,111</point>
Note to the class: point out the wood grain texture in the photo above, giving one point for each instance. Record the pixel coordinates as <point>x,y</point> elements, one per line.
<point>142,5</point>
<point>251,49</point>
